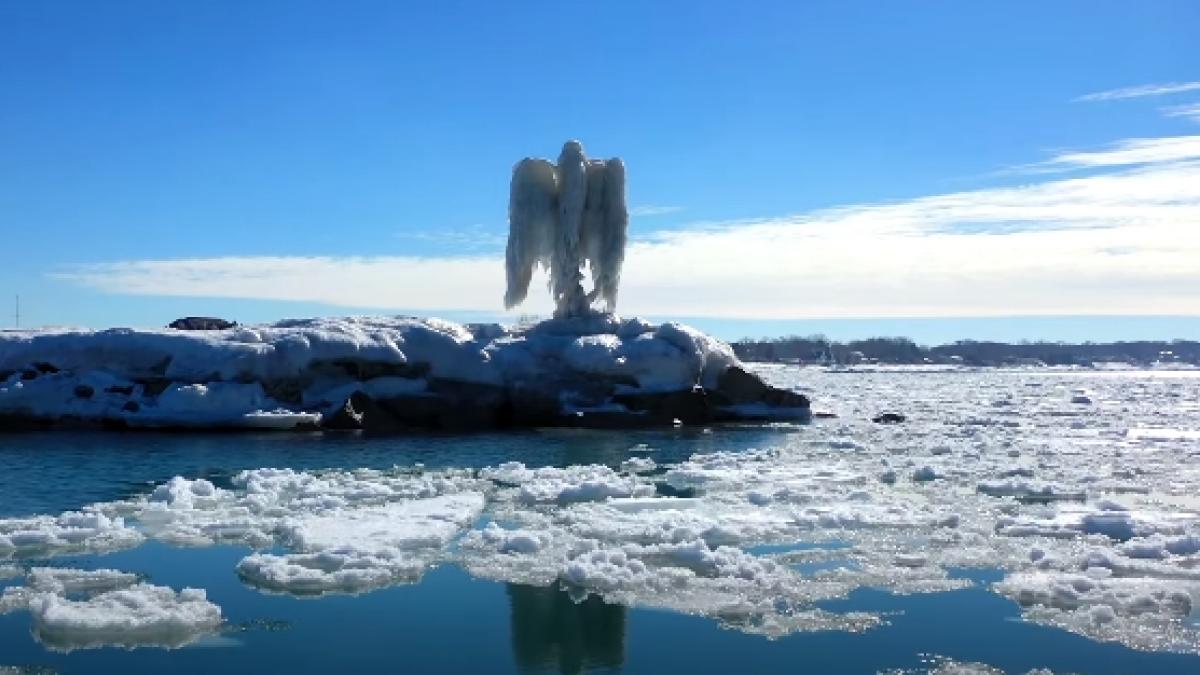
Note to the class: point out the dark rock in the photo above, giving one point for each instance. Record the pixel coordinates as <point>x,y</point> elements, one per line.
<point>117,389</point>
<point>201,323</point>
<point>153,386</point>
<point>84,391</point>
<point>131,406</point>
<point>28,374</point>
<point>43,367</point>
<point>160,368</point>
<point>360,412</point>
<point>737,386</point>
<point>19,422</point>
<point>367,370</point>
<point>470,405</point>
<point>689,407</point>
<point>888,418</point>
<point>416,410</point>
<point>529,405</point>
<point>285,390</point>
<point>609,419</point>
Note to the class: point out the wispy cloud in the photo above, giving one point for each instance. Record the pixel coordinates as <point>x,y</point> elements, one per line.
<point>1129,152</point>
<point>652,210</point>
<point>1140,91</point>
<point>1122,242</point>
<point>1188,110</point>
<point>475,239</point>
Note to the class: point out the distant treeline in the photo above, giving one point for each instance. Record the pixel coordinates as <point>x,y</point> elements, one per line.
<point>898,350</point>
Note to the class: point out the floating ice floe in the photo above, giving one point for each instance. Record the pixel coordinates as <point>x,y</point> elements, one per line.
<point>354,550</point>
<point>80,609</point>
<point>580,483</point>
<point>86,531</point>
<point>1143,612</point>
<point>944,666</point>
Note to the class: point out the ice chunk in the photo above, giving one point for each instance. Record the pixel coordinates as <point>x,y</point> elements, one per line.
<point>359,549</point>
<point>1142,612</point>
<point>80,609</point>
<point>141,615</point>
<point>88,530</point>
<point>567,485</point>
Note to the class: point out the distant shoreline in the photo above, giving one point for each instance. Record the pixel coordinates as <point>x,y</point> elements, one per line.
<point>817,350</point>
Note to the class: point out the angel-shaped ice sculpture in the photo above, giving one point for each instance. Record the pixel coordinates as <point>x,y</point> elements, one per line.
<point>564,217</point>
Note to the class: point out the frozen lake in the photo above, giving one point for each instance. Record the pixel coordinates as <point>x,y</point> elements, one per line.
<point>1020,519</point>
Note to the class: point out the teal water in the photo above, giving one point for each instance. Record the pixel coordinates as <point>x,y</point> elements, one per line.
<point>449,622</point>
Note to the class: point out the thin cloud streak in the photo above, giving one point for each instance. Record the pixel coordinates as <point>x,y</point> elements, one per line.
<point>1128,152</point>
<point>1122,242</point>
<point>1139,91</point>
<point>1190,111</point>
<point>653,210</point>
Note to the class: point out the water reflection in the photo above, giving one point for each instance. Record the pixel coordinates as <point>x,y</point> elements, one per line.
<point>550,630</point>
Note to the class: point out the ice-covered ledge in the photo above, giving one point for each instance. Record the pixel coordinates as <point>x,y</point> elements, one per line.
<point>383,374</point>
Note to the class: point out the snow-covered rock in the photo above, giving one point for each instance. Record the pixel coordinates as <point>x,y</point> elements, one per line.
<point>595,369</point>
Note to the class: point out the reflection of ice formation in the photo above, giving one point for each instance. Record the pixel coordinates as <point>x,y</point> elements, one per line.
<point>564,216</point>
<point>550,628</point>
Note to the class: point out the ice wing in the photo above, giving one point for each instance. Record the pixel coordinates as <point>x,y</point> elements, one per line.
<point>532,221</point>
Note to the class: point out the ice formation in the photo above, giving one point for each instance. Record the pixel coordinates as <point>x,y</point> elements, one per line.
<point>399,372</point>
<point>566,216</point>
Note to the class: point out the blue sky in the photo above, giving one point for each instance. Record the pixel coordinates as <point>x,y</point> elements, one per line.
<point>793,167</point>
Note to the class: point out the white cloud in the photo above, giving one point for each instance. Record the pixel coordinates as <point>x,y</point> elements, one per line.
<point>652,210</point>
<point>1129,152</point>
<point>1140,91</point>
<point>1189,110</point>
<point>1124,242</point>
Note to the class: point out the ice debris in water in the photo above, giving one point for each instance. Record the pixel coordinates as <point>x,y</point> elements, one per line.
<point>579,483</point>
<point>72,532</point>
<point>80,609</point>
<point>1095,529</point>
<point>354,550</point>
<point>940,665</point>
